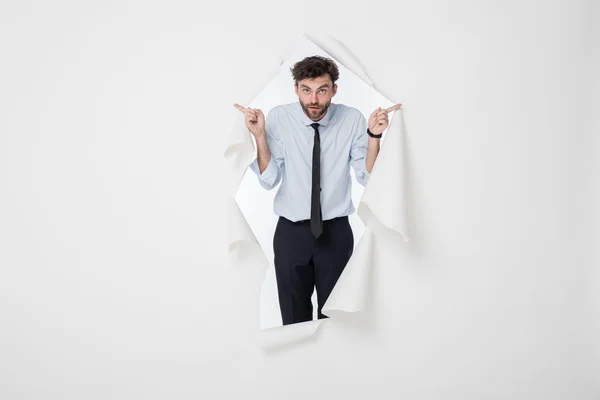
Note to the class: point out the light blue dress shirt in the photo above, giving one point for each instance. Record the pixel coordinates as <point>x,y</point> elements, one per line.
<point>290,136</point>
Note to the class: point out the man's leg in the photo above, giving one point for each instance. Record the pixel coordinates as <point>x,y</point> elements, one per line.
<point>333,250</point>
<point>294,269</point>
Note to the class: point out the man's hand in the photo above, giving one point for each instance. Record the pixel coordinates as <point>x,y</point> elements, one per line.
<point>255,120</point>
<point>378,121</point>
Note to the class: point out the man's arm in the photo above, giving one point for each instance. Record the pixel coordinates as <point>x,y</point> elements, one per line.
<point>363,152</point>
<point>372,153</point>
<point>263,152</point>
<point>378,122</point>
<point>268,165</point>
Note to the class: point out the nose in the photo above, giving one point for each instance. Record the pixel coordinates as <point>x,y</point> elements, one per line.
<point>314,99</point>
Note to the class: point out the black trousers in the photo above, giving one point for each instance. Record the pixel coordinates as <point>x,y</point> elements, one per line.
<point>303,263</point>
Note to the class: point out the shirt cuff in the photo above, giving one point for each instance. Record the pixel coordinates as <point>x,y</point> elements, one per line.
<point>363,177</point>
<point>268,175</point>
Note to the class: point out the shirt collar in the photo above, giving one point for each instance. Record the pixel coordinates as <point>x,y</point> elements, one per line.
<point>322,122</point>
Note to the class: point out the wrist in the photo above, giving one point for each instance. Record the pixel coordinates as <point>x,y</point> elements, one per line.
<point>374,135</point>
<point>260,135</point>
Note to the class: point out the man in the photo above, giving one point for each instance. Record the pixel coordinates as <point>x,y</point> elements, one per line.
<point>309,147</point>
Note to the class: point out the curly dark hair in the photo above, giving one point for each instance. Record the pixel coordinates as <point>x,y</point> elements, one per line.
<point>313,67</point>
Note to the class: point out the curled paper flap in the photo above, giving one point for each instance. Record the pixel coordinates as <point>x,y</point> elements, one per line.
<point>385,196</point>
<point>239,230</point>
<point>383,201</point>
<point>274,338</point>
<point>242,241</point>
<point>240,151</point>
<point>351,290</point>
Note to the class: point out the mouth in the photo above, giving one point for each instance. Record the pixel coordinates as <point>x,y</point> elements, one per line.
<point>314,108</point>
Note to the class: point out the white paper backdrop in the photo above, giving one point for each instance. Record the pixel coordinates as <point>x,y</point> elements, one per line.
<point>115,281</point>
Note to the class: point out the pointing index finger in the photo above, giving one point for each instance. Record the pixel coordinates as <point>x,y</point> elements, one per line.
<point>393,108</point>
<point>242,109</point>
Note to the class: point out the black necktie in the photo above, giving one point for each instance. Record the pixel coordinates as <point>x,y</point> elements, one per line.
<point>316,219</point>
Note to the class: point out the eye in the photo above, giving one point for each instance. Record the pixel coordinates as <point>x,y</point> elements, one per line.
<point>323,90</point>
<point>306,90</point>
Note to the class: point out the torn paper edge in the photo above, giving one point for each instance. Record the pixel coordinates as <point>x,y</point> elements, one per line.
<point>240,152</point>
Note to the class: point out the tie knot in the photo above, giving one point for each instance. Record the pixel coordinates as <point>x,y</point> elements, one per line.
<point>315,125</point>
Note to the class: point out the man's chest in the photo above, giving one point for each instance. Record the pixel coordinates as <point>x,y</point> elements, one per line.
<point>335,145</point>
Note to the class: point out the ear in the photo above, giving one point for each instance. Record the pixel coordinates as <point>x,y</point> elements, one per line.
<point>335,87</point>
<point>296,88</point>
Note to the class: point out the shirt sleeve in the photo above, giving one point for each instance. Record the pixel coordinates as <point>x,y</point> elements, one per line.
<point>271,176</point>
<point>358,152</point>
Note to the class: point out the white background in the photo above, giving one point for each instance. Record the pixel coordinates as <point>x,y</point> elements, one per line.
<point>256,203</point>
<point>114,273</point>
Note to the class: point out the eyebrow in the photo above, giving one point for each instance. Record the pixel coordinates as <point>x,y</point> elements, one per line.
<point>322,86</point>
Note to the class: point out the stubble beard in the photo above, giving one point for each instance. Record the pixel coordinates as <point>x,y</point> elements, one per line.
<point>315,115</point>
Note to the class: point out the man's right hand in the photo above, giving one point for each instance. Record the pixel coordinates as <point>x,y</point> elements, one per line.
<point>255,120</point>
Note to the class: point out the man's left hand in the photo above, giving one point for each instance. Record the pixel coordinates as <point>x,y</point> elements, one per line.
<point>378,121</point>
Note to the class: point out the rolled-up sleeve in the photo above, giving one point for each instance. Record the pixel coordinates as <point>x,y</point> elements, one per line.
<point>358,152</point>
<point>271,176</point>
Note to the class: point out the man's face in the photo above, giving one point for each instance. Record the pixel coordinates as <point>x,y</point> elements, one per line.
<point>315,95</point>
